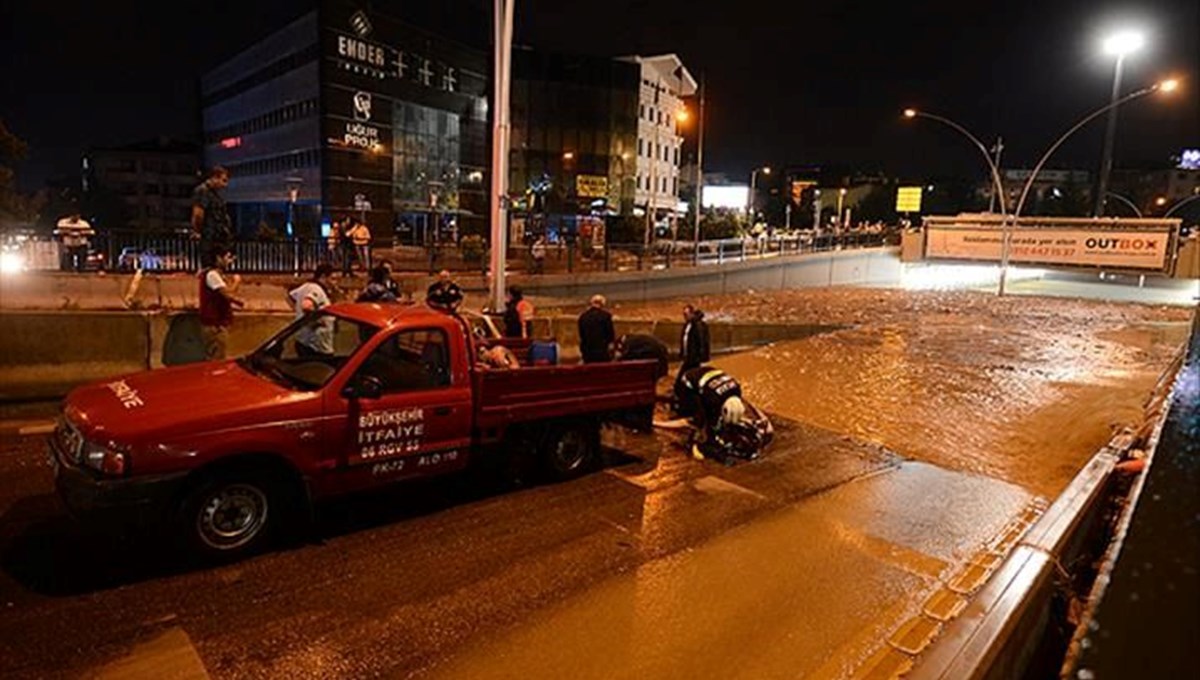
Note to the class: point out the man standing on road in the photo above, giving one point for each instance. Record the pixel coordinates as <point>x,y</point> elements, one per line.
<point>444,293</point>
<point>596,333</point>
<point>74,232</point>
<point>210,215</point>
<point>217,301</point>
<point>694,347</point>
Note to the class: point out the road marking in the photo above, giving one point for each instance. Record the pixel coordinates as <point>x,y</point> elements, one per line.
<point>711,484</point>
<point>31,430</point>
<point>26,427</point>
<point>170,655</point>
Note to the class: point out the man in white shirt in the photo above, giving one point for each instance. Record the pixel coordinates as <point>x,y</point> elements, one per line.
<point>73,231</point>
<point>308,297</point>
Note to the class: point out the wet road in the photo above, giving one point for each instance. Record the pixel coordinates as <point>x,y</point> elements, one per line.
<point>920,439</point>
<point>803,560</point>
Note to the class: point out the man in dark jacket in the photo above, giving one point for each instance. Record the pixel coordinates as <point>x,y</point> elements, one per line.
<point>444,293</point>
<point>694,347</point>
<point>596,333</point>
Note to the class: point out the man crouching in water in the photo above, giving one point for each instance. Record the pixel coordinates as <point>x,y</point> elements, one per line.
<point>726,426</point>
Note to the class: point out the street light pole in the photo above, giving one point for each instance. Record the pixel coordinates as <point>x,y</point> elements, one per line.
<point>766,170</point>
<point>1165,86</point>
<point>502,32</point>
<point>699,172</point>
<point>1120,44</point>
<point>997,185</point>
<point>1136,211</point>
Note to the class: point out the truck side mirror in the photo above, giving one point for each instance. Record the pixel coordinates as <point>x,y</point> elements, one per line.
<point>363,387</point>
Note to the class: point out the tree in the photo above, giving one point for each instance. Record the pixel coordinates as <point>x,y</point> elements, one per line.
<point>13,205</point>
<point>879,205</point>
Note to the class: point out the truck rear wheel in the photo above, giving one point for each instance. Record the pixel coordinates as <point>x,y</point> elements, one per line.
<point>570,449</point>
<point>229,515</point>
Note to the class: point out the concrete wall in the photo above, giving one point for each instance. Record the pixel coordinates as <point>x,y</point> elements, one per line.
<point>44,354</point>
<point>52,290</point>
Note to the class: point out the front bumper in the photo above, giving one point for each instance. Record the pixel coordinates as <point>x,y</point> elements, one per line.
<point>88,496</point>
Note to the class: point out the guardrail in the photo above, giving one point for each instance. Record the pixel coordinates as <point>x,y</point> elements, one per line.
<point>150,252</point>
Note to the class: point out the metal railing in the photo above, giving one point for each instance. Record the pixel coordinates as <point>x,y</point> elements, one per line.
<point>167,253</point>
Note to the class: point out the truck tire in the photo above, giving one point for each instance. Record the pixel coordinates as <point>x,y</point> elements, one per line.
<point>570,449</point>
<point>230,514</point>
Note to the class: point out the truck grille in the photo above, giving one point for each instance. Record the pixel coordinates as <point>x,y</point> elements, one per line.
<point>70,441</point>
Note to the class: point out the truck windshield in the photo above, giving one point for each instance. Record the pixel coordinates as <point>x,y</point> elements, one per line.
<point>306,354</point>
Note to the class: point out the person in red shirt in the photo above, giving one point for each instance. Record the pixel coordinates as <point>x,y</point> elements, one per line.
<point>217,301</point>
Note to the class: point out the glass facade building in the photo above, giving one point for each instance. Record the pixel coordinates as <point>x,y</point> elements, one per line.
<point>350,110</point>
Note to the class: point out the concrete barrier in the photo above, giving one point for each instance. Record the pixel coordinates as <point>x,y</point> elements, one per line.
<point>43,354</point>
<point>175,292</point>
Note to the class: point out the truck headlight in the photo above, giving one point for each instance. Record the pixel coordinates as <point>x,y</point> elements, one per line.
<point>104,460</point>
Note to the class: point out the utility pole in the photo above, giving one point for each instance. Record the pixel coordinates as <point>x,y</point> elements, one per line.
<point>502,34</point>
<point>997,150</point>
<point>699,171</point>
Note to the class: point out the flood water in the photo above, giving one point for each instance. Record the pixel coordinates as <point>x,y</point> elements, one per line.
<point>1022,389</point>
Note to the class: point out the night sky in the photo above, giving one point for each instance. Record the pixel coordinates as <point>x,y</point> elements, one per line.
<point>789,83</point>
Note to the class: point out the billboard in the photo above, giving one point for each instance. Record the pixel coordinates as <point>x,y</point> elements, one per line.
<point>908,199</point>
<point>1134,249</point>
<point>591,186</point>
<point>734,196</point>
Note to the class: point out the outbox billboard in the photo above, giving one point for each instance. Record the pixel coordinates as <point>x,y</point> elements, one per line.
<point>1142,249</point>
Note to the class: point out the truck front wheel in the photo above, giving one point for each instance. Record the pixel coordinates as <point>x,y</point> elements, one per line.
<point>570,449</point>
<point>229,515</point>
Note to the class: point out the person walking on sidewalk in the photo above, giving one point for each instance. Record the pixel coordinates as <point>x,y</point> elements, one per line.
<point>217,300</point>
<point>596,332</point>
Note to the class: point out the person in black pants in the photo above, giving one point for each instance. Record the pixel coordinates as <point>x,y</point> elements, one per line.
<point>596,332</point>
<point>694,346</point>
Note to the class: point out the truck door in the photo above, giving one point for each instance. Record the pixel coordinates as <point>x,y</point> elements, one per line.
<point>420,422</point>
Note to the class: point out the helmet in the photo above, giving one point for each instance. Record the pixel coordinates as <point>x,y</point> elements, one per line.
<point>748,438</point>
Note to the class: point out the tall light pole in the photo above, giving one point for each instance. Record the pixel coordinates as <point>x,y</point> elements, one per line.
<point>1163,86</point>
<point>997,184</point>
<point>1119,45</point>
<point>766,170</point>
<point>699,172</point>
<point>502,34</point>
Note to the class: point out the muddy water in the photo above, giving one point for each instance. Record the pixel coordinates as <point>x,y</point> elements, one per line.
<point>1023,390</point>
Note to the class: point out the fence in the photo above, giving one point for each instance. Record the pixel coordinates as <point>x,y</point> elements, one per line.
<point>130,251</point>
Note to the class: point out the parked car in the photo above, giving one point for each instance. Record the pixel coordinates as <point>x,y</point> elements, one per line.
<point>148,259</point>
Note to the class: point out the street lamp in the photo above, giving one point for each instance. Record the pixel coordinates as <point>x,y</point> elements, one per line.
<point>766,170</point>
<point>699,173</point>
<point>1119,45</point>
<point>997,184</point>
<point>1162,86</point>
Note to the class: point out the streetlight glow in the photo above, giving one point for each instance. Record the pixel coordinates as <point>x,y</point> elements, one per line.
<point>1169,85</point>
<point>568,155</point>
<point>766,169</point>
<point>1124,42</point>
<point>910,113</point>
<point>682,115</point>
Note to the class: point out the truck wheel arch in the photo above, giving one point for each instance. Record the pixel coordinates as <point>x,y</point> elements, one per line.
<point>281,471</point>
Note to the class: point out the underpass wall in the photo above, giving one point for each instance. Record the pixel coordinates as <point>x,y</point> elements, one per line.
<point>45,354</point>
<point>176,292</point>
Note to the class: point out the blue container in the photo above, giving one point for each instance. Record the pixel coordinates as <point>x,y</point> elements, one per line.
<point>542,353</point>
